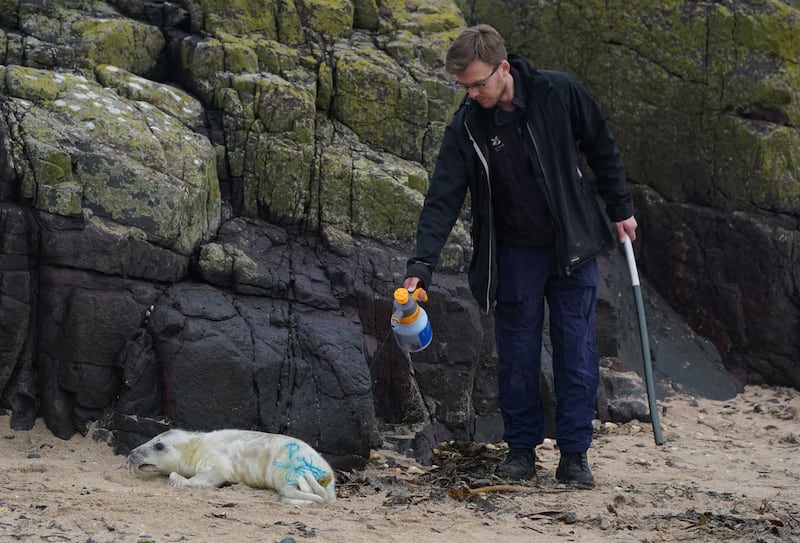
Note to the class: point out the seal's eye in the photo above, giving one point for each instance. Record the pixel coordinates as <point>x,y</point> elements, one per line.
<point>159,446</point>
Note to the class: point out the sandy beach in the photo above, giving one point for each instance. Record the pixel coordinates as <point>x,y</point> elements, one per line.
<point>728,471</point>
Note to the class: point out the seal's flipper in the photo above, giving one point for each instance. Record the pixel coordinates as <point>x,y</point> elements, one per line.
<point>201,480</point>
<point>294,496</point>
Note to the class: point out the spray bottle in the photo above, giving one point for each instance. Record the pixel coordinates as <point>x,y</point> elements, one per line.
<point>410,324</point>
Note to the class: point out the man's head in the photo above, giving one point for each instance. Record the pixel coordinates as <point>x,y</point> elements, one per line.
<point>478,59</point>
<point>481,42</point>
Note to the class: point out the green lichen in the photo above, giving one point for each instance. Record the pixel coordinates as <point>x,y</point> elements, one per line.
<point>51,166</point>
<point>203,62</point>
<point>385,107</point>
<point>290,28</point>
<point>275,57</point>
<point>168,99</point>
<point>64,199</point>
<point>771,29</point>
<point>286,108</point>
<point>124,43</point>
<point>771,156</point>
<point>235,17</point>
<point>330,18</point>
<point>364,193</point>
<point>423,17</point>
<point>239,57</point>
<point>324,87</point>
<point>85,149</point>
<point>9,13</point>
<point>277,176</point>
<point>366,14</point>
<point>225,265</point>
<point>32,84</point>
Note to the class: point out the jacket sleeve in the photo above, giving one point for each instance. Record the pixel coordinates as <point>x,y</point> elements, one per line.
<point>446,193</point>
<point>595,141</point>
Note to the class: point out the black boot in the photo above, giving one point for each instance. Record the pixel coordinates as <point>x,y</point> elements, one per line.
<point>573,469</point>
<point>518,464</point>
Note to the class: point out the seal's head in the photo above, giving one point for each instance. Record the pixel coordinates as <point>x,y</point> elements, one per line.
<point>165,453</point>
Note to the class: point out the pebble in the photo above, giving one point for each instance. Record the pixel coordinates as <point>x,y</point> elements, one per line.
<point>569,517</point>
<point>547,444</point>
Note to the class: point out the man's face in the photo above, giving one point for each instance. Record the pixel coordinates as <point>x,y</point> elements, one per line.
<point>483,82</point>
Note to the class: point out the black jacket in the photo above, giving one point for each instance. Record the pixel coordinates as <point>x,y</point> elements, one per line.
<point>563,119</point>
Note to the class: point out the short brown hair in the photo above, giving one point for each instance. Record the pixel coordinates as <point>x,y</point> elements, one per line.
<point>480,42</point>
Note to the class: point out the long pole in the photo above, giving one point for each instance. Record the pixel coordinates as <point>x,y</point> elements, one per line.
<point>648,365</point>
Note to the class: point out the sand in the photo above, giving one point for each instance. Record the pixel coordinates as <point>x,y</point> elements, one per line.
<point>728,471</point>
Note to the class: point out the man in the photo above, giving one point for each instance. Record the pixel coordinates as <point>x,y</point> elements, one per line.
<point>537,229</point>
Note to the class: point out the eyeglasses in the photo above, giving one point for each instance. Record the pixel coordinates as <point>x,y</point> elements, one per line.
<point>478,85</point>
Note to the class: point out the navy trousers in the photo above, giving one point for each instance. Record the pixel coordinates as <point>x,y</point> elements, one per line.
<point>526,279</point>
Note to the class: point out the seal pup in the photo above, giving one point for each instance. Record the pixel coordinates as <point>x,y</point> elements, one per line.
<point>258,459</point>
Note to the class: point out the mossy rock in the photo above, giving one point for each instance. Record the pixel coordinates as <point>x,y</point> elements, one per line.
<point>127,44</point>
<point>366,14</point>
<point>769,153</point>
<point>234,17</point>
<point>422,17</point>
<point>699,95</point>
<point>329,18</point>
<point>379,102</point>
<point>276,178</point>
<point>126,161</point>
<point>171,100</point>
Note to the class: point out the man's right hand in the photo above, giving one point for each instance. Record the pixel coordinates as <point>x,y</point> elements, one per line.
<point>412,283</point>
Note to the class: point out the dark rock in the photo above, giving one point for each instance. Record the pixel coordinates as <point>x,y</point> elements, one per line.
<point>621,397</point>
<point>427,440</point>
<point>19,235</point>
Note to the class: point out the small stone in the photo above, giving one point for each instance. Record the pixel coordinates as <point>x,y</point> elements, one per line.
<point>569,517</point>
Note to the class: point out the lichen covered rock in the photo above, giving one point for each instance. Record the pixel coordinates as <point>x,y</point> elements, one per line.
<point>83,151</point>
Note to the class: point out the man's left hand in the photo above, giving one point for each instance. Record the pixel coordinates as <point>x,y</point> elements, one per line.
<point>628,226</point>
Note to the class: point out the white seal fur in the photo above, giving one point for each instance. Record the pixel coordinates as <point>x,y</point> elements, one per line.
<point>257,459</point>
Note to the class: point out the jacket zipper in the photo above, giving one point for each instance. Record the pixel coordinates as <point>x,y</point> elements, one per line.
<point>485,163</point>
<point>559,227</point>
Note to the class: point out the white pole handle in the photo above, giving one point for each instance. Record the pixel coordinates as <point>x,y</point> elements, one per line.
<point>631,260</point>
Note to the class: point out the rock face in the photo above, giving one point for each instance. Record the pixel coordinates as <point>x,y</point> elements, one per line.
<point>204,212</point>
